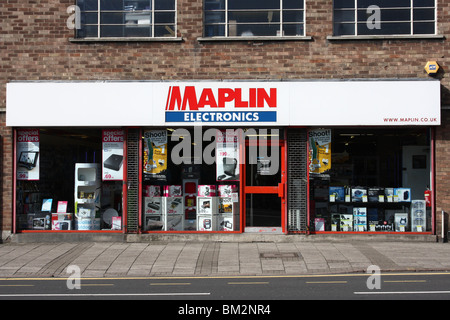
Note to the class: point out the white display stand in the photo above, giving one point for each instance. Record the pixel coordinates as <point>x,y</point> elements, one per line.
<point>207,213</point>
<point>87,195</point>
<point>172,210</point>
<point>418,215</point>
<point>228,216</point>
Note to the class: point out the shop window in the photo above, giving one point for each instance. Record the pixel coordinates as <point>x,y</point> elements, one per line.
<point>127,18</point>
<point>384,17</point>
<point>190,180</point>
<point>232,18</point>
<point>370,180</point>
<point>61,183</point>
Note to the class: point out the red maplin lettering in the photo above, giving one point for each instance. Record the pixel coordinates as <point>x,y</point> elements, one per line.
<point>189,100</point>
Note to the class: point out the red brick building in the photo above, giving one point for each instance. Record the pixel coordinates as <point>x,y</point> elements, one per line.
<point>64,50</point>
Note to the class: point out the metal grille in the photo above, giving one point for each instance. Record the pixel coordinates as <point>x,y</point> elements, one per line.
<point>297,180</point>
<point>133,180</point>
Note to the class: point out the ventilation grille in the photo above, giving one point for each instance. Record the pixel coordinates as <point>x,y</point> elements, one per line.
<point>133,180</point>
<point>297,180</point>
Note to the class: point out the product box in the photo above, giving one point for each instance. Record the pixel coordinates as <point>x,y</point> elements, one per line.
<point>418,215</point>
<point>227,190</point>
<point>174,222</point>
<point>207,191</point>
<point>359,194</point>
<point>207,205</point>
<point>375,194</point>
<point>337,194</point>
<point>401,222</point>
<point>173,191</point>
<point>360,219</point>
<point>225,205</point>
<point>227,222</point>
<point>346,221</point>
<point>172,205</point>
<point>61,225</point>
<point>335,221</point>
<point>116,223</point>
<point>207,223</point>
<point>152,205</point>
<point>403,194</point>
<point>389,194</point>
<point>319,224</point>
<point>153,222</point>
<point>152,191</point>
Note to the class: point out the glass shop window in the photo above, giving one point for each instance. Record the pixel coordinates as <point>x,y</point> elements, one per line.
<point>370,180</point>
<point>190,180</point>
<point>69,179</point>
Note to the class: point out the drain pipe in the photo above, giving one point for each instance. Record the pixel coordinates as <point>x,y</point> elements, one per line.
<point>443,228</point>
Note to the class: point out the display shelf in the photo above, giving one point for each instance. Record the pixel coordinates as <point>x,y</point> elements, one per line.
<point>87,196</point>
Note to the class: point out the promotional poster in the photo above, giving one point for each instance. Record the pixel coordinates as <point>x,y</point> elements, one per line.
<point>155,155</point>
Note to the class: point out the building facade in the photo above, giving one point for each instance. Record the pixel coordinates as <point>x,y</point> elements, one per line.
<point>220,116</point>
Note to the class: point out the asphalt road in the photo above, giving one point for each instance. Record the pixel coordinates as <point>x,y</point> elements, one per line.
<point>241,290</point>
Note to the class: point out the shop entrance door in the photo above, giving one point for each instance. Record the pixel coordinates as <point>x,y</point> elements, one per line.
<point>265,185</point>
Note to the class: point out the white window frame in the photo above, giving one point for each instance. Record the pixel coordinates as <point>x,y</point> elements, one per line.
<point>277,37</point>
<point>152,24</point>
<point>411,7</point>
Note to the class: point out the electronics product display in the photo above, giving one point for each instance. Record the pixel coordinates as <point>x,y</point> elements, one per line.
<point>366,209</point>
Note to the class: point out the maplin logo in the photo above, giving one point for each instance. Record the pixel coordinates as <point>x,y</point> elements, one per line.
<point>206,107</point>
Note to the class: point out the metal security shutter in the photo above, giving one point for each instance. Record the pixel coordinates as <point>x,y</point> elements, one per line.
<point>133,180</point>
<point>297,180</point>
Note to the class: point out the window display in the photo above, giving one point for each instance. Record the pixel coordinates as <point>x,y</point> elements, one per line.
<point>376,180</point>
<point>186,195</point>
<point>66,188</point>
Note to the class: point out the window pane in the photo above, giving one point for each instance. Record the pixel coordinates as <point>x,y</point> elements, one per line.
<point>292,4</point>
<point>384,3</point>
<point>344,15</point>
<point>251,17</point>
<point>214,30</point>
<point>214,4</point>
<point>87,32</point>
<point>249,30</point>
<point>253,4</point>
<point>340,4</point>
<point>164,5</point>
<point>293,29</point>
<point>344,29</point>
<point>423,14</point>
<point>214,17</point>
<point>111,5</point>
<point>138,31</point>
<point>111,31</point>
<point>165,31</point>
<point>424,3</point>
<point>164,17</point>
<point>386,29</point>
<point>87,5</point>
<point>386,15</point>
<point>424,28</point>
<point>112,18</point>
<point>292,16</point>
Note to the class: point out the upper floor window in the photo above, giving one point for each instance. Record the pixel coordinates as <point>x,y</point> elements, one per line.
<point>264,18</point>
<point>127,18</point>
<point>384,17</point>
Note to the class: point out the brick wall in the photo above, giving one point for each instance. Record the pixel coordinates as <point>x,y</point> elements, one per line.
<point>35,46</point>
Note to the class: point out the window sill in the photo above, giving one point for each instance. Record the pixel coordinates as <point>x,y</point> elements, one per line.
<point>256,38</point>
<point>125,39</point>
<point>387,37</point>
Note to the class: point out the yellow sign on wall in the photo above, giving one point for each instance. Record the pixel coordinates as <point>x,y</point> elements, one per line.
<point>431,67</point>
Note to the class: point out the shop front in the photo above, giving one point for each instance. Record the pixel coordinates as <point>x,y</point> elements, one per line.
<point>224,157</point>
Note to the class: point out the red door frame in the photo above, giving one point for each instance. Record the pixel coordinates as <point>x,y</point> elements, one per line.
<point>280,189</point>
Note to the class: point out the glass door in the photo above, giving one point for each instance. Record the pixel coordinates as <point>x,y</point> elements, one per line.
<point>264,184</point>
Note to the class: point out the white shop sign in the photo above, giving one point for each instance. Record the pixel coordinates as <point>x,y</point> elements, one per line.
<point>219,103</point>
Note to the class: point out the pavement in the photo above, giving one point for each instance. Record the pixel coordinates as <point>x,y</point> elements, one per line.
<point>179,257</point>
